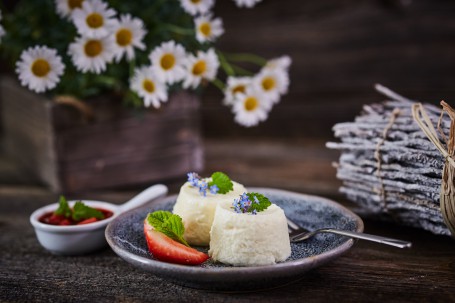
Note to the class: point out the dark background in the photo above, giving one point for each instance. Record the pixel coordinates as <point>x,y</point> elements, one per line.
<point>340,49</point>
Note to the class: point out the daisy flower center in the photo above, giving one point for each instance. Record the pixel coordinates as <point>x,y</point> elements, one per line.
<point>95,20</point>
<point>205,29</point>
<point>167,61</point>
<point>148,86</point>
<point>72,4</point>
<point>251,103</point>
<point>41,68</point>
<point>124,37</point>
<point>195,1</point>
<point>93,48</point>
<point>238,89</point>
<point>199,68</point>
<point>268,83</point>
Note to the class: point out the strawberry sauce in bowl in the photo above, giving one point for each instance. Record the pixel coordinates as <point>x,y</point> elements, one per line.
<point>65,238</point>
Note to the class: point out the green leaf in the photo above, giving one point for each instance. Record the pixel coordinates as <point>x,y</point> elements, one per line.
<point>82,211</point>
<point>264,202</point>
<point>169,224</point>
<point>63,208</point>
<point>223,182</point>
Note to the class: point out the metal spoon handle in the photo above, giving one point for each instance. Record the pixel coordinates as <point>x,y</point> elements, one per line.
<point>378,239</point>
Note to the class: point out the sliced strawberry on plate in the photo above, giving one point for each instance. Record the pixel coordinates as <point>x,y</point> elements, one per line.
<point>165,249</point>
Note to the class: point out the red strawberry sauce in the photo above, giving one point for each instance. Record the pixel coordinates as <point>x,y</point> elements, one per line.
<point>53,219</point>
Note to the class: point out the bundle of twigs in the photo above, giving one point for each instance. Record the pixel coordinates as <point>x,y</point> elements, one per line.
<point>389,167</point>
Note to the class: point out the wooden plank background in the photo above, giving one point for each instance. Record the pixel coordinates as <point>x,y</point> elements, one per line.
<point>340,49</point>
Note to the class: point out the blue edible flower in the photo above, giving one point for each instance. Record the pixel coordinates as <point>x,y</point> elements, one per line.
<point>214,189</point>
<point>193,179</point>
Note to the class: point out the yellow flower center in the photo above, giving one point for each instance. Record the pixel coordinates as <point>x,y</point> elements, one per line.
<point>167,61</point>
<point>124,37</point>
<point>238,89</point>
<point>95,20</point>
<point>251,103</point>
<point>195,1</point>
<point>148,86</point>
<point>205,29</point>
<point>268,83</point>
<point>199,68</point>
<point>40,68</point>
<point>93,48</point>
<point>72,4</point>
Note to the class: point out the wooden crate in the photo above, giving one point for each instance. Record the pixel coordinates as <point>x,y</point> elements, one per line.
<point>119,148</point>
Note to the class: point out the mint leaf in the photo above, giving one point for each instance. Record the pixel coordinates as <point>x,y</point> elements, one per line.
<point>258,202</point>
<point>82,211</point>
<point>222,181</point>
<point>169,224</point>
<point>63,208</point>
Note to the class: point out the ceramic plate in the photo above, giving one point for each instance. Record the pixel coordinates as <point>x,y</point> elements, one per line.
<point>126,238</point>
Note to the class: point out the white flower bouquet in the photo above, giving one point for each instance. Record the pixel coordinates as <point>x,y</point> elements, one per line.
<point>140,50</point>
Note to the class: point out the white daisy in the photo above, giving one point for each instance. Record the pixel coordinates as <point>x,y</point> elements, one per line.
<point>194,7</point>
<point>282,63</point>
<point>129,33</point>
<point>203,66</point>
<point>66,7</point>
<point>246,3</point>
<point>94,19</point>
<point>251,108</point>
<point>208,29</point>
<point>92,55</point>
<point>167,61</point>
<point>39,68</point>
<point>272,83</point>
<point>234,86</point>
<point>148,86</point>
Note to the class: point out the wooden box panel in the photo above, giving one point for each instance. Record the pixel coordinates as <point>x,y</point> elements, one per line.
<point>119,148</point>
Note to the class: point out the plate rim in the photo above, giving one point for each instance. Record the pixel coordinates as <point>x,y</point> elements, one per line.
<point>307,263</point>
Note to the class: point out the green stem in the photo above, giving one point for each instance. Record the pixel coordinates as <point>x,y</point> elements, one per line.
<point>246,57</point>
<point>218,83</point>
<point>241,71</point>
<point>225,64</point>
<point>178,30</point>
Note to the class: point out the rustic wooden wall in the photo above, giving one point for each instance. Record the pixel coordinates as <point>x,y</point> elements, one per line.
<point>339,50</point>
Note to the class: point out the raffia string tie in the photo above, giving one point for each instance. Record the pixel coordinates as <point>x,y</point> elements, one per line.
<point>447,197</point>
<point>85,109</point>
<point>377,156</point>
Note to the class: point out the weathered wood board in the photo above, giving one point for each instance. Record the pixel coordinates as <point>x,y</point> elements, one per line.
<point>119,148</point>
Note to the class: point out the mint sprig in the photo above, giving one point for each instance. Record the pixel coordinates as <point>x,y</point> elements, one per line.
<point>82,211</point>
<point>63,208</point>
<point>169,224</point>
<point>222,181</point>
<point>79,212</point>
<point>259,202</point>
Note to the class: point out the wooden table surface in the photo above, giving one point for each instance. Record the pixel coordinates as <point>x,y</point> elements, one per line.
<point>367,272</point>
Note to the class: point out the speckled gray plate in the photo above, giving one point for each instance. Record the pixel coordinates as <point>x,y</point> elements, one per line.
<point>126,238</point>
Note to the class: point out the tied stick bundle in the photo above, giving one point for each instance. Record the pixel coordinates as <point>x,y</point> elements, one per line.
<point>392,170</point>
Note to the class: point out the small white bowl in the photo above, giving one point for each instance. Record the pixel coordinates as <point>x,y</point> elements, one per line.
<point>81,239</point>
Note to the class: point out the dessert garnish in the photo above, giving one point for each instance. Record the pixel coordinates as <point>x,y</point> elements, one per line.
<point>169,224</point>
<point>251,203</point>
<point>79,214</point>
<point>220,183</point>
<point>164,236</point>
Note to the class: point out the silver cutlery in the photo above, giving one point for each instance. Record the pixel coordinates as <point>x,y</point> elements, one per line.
<point>298,234</point>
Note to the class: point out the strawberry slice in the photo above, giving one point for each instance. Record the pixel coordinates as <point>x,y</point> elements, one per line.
<point>165,249</point>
